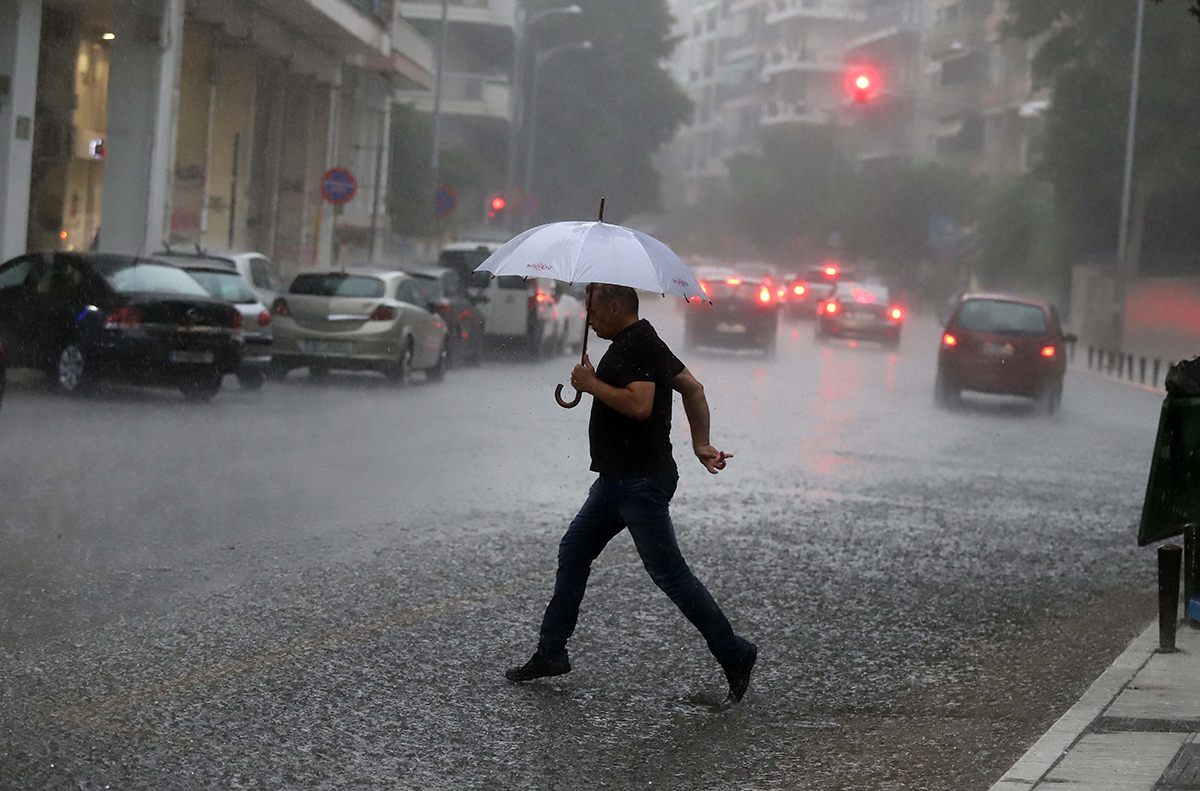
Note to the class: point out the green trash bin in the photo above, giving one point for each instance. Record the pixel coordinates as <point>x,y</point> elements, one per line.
<point>1173,491</point>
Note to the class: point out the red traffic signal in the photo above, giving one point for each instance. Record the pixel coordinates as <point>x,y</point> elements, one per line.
<point>496,206</point>
<point>862,83</point>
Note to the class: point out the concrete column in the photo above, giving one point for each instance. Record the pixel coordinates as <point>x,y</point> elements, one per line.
<point>20,33</point>
<point>142,119</point>
<point>380,227</point>
<point>325,242</point>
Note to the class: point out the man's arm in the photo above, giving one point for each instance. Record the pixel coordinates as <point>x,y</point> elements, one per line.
<point>635,401</point>
<point>696,407</point>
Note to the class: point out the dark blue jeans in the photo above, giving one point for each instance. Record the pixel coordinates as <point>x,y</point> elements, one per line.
<point>641,504</point>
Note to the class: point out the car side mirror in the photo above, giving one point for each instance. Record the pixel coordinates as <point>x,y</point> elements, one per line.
<point>1070,337</point>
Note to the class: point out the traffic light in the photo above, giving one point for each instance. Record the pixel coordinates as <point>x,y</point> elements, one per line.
<point>862,83</point>
<point>496,206</point>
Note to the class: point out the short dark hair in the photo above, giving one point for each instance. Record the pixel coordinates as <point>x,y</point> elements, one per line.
<point>624,296</point>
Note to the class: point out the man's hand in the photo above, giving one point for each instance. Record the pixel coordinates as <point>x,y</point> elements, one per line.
<point>712,459</point>
<point>583,377</point>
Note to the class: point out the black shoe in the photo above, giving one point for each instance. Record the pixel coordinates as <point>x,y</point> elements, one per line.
<point>738,673</point>
<point>537,667</point>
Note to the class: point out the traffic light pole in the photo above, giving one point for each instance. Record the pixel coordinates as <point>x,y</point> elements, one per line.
<point>434,156</point>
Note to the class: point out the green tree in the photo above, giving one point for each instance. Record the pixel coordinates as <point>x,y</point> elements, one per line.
<point>603,113</point>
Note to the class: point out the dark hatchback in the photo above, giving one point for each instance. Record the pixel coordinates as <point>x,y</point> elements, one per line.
<point>860,310</point>
<point>744,313</point>
<point>1004,345</point>
<point>447,296</point>
<point>83,317</point>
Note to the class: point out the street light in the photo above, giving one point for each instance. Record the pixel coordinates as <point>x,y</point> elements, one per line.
<point>517,92</point>
<point>538,62</point>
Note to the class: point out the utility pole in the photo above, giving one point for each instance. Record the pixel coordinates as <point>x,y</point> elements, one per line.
<point>437,93</point>
<point>1125,268</point>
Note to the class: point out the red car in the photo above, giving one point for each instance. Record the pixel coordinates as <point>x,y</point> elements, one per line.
<point>1001,344</point>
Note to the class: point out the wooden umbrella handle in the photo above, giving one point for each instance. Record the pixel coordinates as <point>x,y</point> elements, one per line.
<point>587,325</point>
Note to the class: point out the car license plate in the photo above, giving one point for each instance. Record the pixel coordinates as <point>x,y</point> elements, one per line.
<point>324,347</point>
<point>731,328</point>
<point>998,349</point>
<point>204,358</point>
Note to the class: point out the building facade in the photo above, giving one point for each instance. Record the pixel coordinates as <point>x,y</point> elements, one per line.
<point>143,123</point>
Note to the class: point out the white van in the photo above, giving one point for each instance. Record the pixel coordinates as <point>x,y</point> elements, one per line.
<point>517,312</point>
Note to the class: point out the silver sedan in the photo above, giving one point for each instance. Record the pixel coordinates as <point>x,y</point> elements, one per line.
<point>358,319</point>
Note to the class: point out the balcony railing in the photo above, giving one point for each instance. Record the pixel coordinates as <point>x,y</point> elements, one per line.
<point>478,95</point>
<point>780,10</point>
<point>372,8</point>
<point>783,59</point>
<point>784,111</point>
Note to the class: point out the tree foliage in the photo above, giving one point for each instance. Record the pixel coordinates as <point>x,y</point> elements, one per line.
<point>602,113</point>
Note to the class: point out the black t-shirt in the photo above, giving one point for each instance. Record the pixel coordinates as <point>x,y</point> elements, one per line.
<point>620,444</point>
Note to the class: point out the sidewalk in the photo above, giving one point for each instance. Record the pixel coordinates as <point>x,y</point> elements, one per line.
<point>1135,729</point>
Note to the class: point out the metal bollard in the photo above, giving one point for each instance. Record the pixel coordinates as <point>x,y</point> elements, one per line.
<point>1131,367</point>
<point>1190,534</point>
<point>1157,363</point>
<point>1169,557</point>
<point>1142,370</point>
<point>1110,363</point>
<point>1091,352</point>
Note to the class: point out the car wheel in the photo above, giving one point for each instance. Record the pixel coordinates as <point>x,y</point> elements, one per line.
<point>251,379</point>
<point>318,372</point>
<point>438,372</point>
<point>400,371</point>
<point>1049,399</point>
<point>70,373</point>
<point>944,392</point>
<point>477,355</point>
<point>534,343</point>
<point>201,389</point>
<point>820,334</point>
<point>277,373</point>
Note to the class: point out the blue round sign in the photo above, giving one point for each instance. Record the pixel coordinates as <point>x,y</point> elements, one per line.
<point>444,202</point>
<point>338,186</point>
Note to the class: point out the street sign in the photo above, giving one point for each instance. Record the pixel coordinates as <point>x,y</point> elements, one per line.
<point>338,186</point>
<point>444,202</point>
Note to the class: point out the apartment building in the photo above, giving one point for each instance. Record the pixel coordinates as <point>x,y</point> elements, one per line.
<point>476,101</point>
<point>131,124</point>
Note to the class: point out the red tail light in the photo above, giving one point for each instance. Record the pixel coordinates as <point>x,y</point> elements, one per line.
<point>949,341</point>
<point>733,281</point>
<point>1049,351</point>
<point>542,296</point>
<point>383,313</point>
<point>264,319</point>
<point>237,320</point>
<point>798,290</point>
<point>280,308</point>
<point>123,318</point>
<point>897,314</point>
<point>704,287</point>
<point>831,307</point>
<point>764,295</point>
<point>442,308</point>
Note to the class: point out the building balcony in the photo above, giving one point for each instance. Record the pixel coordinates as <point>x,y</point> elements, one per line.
<point>953,39</point>
<point>353,26</point>
<point>471,95</point>
<point>782,60</point>
<point>783,111</point>
<point>500,13</point>
<point>823,10</point>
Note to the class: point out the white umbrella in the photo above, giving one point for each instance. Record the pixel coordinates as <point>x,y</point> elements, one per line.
<point>594,252</point>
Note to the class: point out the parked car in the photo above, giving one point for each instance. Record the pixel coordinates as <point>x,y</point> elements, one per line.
<point>446,295</point>
<point>572,314</point>
<point>744,312</point>
<point>223,281</point>
<point>805,292</point>
<point>359,319</point>
<point>860,310</point>
<point>82,317</point>
<point>518,312</point>
<point>465,257</point>
<point>994,343</point>
<point>259,271</point>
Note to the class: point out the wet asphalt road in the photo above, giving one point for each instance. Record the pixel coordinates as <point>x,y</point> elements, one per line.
<point>319,585</point>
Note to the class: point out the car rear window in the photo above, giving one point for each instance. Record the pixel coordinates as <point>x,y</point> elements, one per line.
<point>732,288</point>
<point>464,262</point>
<point>996,317</point>
<point>153,278</point>
<point>227,286</point>
<point>430,287</point>
<point>866,293</point>
<point>335,284</point>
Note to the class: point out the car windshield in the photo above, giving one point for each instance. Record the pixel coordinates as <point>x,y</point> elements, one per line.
<point>227,286</point>
<point>996,317</point>
<point>152,278</point>
<point>865,293</point>
<point>335,284</point>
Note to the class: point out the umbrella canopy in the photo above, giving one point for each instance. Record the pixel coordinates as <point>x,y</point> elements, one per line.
<point>595,252</point>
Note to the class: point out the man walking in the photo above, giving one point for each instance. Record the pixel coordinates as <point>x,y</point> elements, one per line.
<point>630,441</point>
